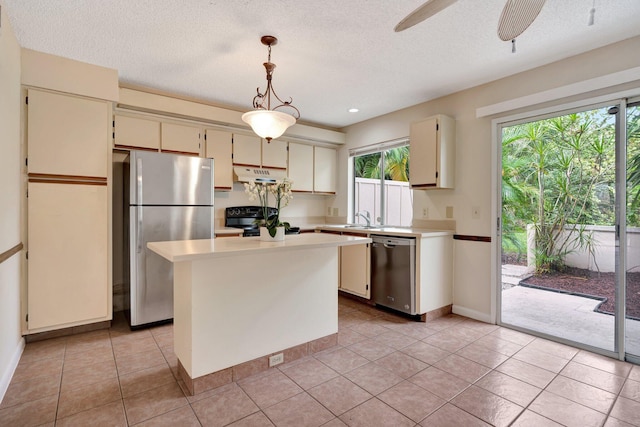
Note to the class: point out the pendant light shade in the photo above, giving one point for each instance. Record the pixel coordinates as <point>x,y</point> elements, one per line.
<point>264,120</point>
<point>268,124</point>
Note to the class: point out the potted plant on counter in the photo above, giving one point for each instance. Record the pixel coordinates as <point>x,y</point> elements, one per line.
<point>271,226</point>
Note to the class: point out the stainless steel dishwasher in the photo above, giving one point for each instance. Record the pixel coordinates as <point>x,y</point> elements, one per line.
<point>393,272</point>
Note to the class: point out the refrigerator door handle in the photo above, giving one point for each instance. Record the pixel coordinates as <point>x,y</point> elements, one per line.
<point>139,226</point>
<point>139,181</point>
<point>139,197</point>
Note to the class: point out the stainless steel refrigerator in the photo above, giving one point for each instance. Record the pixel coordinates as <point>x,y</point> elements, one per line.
<point>167,197</point>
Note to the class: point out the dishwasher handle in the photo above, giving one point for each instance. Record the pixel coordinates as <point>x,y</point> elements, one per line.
<point>385,244</point>
<point>392,242</point>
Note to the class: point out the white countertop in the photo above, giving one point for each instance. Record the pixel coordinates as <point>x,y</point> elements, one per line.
<point>190,250</point>
<point>228,231</point>
<point>388,231</point>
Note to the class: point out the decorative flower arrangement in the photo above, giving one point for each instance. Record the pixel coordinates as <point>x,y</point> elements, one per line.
<point>281,190</point>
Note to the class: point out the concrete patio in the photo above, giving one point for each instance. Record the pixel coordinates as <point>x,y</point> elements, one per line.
<point>566,316</point>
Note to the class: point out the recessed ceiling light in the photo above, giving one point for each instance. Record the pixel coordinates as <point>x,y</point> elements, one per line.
<point>353,110</point>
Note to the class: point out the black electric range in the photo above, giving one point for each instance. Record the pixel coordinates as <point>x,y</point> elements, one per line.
<point>246,217</point>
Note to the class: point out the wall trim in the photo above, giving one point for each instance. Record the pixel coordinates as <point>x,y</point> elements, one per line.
<point>579,88</point>
<point>5,380</point>
<point>470,238</point>
<point>473,314</point>
<point>11,252</point>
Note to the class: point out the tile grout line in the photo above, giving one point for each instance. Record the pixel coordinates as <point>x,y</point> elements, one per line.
<point>64,357</point>
<point>113,352</point>
<point>573,359</point>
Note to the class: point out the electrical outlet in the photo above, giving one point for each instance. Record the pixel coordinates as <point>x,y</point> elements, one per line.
<point>475,212</point>
<point>425,212</point>
<point>276,359</point>
<point>335,211</point>
<point>449,212</point>
<point>329,211</point>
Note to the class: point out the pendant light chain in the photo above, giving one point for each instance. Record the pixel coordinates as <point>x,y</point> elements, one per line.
<point>265,121</point>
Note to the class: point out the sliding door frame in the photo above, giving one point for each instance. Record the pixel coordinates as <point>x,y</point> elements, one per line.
<point>620,100</point>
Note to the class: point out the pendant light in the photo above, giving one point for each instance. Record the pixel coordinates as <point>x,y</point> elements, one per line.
<point>265,121</point>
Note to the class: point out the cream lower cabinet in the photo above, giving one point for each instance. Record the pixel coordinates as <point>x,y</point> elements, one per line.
<point>219,146</point>
<point>68,259</point>
<point>355,270</point>
<point>434,272</point>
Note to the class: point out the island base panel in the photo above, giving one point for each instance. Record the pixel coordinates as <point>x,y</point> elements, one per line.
<point>225,376</point>
<point>230,311</point>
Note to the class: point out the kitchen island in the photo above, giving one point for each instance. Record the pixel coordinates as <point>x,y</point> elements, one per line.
<point>238,301</point>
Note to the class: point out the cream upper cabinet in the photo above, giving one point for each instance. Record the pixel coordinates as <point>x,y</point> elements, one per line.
<point>324,170</point>
<point>219,147</point>
<point>354,269</point>
<point>274,154</point>
<point>432,153</point>
<point>67,135</point>
<point>180,138</point>
<point>134,132</point>
<point>247,150</point>
<point>68,264</point>
<point>301,167</point>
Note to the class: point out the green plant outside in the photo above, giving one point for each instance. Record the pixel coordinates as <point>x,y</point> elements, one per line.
<point>559,174</point>
<point>396,165</point>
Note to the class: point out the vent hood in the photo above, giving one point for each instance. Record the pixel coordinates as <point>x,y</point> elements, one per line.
<point>254,174</point>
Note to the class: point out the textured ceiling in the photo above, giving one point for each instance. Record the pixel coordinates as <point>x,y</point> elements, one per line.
<point>331,55</point>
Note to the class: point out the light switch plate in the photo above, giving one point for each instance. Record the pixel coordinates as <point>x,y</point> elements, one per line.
<point>449,212</point>
<point>335,211</point>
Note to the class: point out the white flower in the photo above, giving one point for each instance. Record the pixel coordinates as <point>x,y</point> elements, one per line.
<point>281,190</point>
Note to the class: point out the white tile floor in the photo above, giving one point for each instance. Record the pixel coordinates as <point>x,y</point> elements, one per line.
<point>386,371</point>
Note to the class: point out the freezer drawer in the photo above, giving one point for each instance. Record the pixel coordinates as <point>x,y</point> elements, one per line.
<point>393,273</point>
<point>151,276</point>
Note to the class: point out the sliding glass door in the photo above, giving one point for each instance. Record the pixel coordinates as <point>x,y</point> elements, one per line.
<point>558,214</point>
<point>569,227</point>
<point>632,247</point>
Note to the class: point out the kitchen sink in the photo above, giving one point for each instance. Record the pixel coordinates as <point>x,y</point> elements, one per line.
<point>358,226</point>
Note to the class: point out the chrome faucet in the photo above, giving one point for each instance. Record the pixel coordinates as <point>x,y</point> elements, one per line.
<point>366,217</point>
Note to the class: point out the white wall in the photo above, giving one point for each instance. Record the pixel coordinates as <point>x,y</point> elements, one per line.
<point>473,262</point>
<point>302,209</point>
<point>11,342</point>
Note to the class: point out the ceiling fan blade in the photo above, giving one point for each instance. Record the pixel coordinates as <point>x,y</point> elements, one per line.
<point>427,10</point>
<point>516,17</point>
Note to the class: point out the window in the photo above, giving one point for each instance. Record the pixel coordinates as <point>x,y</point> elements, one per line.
<point>381,189</point>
